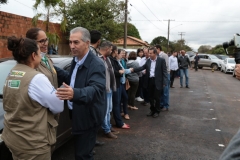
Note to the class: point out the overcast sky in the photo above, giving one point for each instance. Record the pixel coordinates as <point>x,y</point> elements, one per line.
<point>204,22</point>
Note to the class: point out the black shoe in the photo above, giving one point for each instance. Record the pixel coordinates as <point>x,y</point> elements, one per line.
<point>172,87</point>
<point>181,87</point>
<point>187,87</point>
<point>155,115</point>
<point>97,143</point>
<point>150,113</point>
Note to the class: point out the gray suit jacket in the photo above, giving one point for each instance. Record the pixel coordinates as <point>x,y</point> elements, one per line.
<point>161,75</point>
<point>232,152</point>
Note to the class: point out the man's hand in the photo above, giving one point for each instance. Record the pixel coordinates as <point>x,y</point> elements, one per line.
<point>121,71</point>
<point>237,71</point>
<point>65,92</point>
<point>131,69</point>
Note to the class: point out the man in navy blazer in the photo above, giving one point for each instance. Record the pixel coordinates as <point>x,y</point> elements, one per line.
<point>155,80</point>
<point>85,93</point>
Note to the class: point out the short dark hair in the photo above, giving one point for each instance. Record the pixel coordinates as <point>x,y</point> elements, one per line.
<point>119,51</point>
<point>139,50</point>
<point>154,50</point>
<point>114,48</point>
<point>95,36</point>
<point>132,56</point>
<point>22,48</point>
<point>33,33</point>
<point>158,47</point>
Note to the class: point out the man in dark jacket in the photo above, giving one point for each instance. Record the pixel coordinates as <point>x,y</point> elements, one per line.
<point>196,59</point>
<point>85,94</point>
<point>156,79</point>
<point>183,63</point>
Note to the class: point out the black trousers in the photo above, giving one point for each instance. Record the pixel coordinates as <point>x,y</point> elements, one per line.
<point>196,66</point>
<point>84,144</point>
<point>172,76</point>
<point>154,96</point>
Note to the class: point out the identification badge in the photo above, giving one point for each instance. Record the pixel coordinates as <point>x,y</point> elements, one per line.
<point>14,84</point>
<point>15,73</point>
<point>54,71</point>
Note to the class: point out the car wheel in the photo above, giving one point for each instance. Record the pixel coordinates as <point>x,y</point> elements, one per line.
<point>214,66</point>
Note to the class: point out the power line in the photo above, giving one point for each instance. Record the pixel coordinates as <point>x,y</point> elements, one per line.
<point>198,21</point>
<point>23,4</point>
<point>146,18</point>
<point>182,34</point>
<point>152,12</point>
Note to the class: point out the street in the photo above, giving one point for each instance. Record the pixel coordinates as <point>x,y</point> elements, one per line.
<point>199,124</point>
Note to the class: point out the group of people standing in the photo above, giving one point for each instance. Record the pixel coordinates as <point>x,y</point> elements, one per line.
<point>102,79</point>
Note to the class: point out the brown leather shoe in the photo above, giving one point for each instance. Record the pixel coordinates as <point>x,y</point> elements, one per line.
<point>111,135</point>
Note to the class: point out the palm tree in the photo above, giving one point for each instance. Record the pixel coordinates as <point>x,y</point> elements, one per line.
<point>48,5</point>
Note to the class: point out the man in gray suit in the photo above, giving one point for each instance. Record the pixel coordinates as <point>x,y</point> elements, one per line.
<point>156,78</point>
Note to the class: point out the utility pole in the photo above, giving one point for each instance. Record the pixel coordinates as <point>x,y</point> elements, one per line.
<point>168,32</point>
<point>182,34</point>
<point>125,24</point>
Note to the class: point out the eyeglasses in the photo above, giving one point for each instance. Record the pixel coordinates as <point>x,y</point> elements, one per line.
<point>43,41</point>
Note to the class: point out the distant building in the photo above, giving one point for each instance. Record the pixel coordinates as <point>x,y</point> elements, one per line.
<point>132,43</point>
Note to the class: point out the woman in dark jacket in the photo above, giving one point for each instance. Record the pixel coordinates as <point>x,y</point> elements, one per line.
<point>118,71</point>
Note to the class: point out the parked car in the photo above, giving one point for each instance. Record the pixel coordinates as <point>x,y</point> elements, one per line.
<point>207,60</point>
<point>228,65</point>
<point>221,57</point>
<point>64,127</point>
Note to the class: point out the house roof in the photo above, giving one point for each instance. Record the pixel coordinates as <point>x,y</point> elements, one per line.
<point>131,41</point>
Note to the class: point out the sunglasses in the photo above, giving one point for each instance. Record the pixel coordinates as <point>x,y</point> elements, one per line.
<point>43,41</point>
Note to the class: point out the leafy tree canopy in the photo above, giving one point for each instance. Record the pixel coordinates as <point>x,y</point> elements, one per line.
<point>173,46</point>
<point>204,49</point>
<point>131,30</point>
<point>3,1</point>
<point>101,15</point>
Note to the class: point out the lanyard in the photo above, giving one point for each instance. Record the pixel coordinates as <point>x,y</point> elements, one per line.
<point>44,59</point>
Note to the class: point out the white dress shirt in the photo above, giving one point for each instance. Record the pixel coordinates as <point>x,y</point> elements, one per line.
<point>142,62</point>
<point>74,74</point>
<point>173,63</point>
<point>152,69</point>
<point>41,90</point>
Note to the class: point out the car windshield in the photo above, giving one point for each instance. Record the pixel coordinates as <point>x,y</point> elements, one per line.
<point>232,61</point>
<point>5,68</point>
<point>224,57</point>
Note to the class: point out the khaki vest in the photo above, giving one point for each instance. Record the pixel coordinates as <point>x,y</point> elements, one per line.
<point>50,74</point>
<point>28,126</point>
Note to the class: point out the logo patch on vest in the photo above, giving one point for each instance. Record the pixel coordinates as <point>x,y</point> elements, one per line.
<point>15,73</point>
<point>14,84</point>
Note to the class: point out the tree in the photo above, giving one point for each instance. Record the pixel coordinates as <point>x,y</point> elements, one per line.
<point>204,49</point>
<point>159,40</point>
<point>131,30</point>
<point>218,49</point>
<point>101,15</point>
<point>173,46</point>
<point>48,5</point>
<point>3,1</point>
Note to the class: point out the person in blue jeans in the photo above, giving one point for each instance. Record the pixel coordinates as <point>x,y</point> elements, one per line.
<point>164,102</point>
<point>184,63</point>
<point>164,99</point>
<point>105,50</point>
